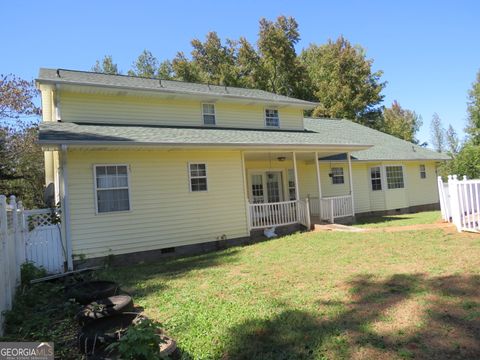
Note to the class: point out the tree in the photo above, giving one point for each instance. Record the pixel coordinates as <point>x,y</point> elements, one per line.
<point>453,143</point>
<point>399,122</point>
<point>437,135</point>
<point>343,81</point>
<point>467,162</point>
<point>276,46</point>
<point>165,70</point>
<point>249,66</point>
<point>184,69</point>
<point>473,109</point>
<point>145,66</point>
<point>17,98</point>
<point>106,66</point>
<point>215,60</point>
<point>21,159</point>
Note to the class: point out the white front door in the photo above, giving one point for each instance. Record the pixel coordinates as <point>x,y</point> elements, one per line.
<point>266,186</point>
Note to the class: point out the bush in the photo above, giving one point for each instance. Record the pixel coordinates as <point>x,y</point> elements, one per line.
<point>29,272</point>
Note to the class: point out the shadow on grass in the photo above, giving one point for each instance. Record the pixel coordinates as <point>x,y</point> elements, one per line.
<point>449,328</point>
<point>382,219</point>
<point>142,280</point>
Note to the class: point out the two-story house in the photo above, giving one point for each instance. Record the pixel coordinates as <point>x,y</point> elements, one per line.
<point>145,166</point>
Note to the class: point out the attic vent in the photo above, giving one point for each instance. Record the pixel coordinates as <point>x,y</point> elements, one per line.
<point>413,148</point>
<point>58,72</point>
<point>160,82</point>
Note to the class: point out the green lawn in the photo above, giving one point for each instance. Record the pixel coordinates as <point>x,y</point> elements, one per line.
<point>325,295</point>
<point>426,217</point>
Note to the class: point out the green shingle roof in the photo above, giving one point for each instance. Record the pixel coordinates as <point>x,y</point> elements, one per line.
<point>318,132</point>
<point>386,147</point>
<point>80,134</point>
<point>74,77</point>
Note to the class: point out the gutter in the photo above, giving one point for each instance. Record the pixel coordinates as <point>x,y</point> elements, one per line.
<point>306,105</point>
<point>201,145</point>
<point>65,199</point>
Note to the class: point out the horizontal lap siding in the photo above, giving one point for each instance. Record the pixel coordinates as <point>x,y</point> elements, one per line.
<point>174,112</point>
<point>164,213</point>
<point>421,191</point>
<point>361,188</point>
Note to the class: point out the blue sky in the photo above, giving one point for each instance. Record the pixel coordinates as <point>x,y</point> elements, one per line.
<point>429,50</point>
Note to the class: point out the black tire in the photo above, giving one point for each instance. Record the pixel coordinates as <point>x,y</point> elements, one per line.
<point>110,306</point>
<point>95,336</point>
<point>88,291</point>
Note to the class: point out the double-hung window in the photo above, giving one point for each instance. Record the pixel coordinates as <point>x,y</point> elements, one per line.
<point>337,175</point>
<point>111,188</point>
<point>423,172</point>
<point>376,178</point>
<point>198,177</point>
<point>271,118</point>
<point>208,111</point>
<point>394,177</point>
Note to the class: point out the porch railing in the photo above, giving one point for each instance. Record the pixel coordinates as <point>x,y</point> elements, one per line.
<point>264,215</point>
<point>330,208</point>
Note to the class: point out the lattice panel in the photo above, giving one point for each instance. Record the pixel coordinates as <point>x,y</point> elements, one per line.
<point>41,219</point>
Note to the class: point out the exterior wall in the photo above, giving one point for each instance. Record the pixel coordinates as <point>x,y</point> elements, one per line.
<point>130,110</point>
<point>164,213</point>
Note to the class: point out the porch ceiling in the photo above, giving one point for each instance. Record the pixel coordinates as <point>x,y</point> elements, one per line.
<point>274,155</point>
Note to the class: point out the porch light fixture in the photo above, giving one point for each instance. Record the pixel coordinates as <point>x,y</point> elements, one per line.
<point>281,158</point>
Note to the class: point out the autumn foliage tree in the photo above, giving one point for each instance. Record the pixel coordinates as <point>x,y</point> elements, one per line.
<point>21,159</point>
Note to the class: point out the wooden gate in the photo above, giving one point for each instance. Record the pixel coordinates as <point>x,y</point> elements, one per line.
<point>43,243</point>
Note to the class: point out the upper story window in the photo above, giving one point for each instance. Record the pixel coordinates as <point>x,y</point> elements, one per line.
<point>271,118</point>
<point>111,188</point>
<point>376,178</point>
<point>423,172</point>
<point>395,177</point>
<point>198,177</point>
<point>208,111</point>
<point>337,175</point>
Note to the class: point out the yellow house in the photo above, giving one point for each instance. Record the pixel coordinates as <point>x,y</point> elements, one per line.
<point>144,167</point>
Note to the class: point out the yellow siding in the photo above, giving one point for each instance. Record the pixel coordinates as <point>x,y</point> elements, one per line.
<point>421,191</point>
<point>176,112</point>
<point>361,188</point>
<point>164,213</point>
<point>329,189</point>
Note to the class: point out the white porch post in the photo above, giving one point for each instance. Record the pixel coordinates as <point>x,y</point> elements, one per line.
<point>245,190</point>
<point>351,182</point>
<point>297,193</point>
<point>317,169</point>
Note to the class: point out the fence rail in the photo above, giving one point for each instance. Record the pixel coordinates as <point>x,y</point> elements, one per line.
<point>264,215</point>
<point>12,251</point>
<point>331,208</point>
<point>460,202</point>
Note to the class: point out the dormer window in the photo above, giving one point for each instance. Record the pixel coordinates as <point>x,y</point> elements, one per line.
<point>271,118</point>
<point>208,114</point>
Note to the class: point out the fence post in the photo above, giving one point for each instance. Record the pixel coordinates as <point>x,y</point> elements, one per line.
<point>6,252</point>
<point>22,250</point>
<point>454,201</point>
<point>15,241</point>
<point>332,219</point>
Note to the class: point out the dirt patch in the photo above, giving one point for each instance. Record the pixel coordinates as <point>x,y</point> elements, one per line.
<point>440,225</point>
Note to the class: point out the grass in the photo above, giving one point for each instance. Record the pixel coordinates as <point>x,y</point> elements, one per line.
<point>426,217</point>
<point>324,295</point>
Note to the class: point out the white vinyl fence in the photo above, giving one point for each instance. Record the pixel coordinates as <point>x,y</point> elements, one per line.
<point>26,235</point>
<point>460,202</point>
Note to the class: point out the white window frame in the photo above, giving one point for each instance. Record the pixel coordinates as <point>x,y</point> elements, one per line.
<point>95,188</point>
<point>342,176</point>
<point>265,117</point>
<point>380,178</point>
<point>214,114</point>
<point>423,171</point>
<point>403,176</point>
<point>197,177</point>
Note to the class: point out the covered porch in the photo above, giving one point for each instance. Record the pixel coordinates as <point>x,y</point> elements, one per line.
<point>285,187</point>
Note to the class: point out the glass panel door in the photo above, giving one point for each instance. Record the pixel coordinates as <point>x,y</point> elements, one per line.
<point>257,189</point>
<point>274,186</point>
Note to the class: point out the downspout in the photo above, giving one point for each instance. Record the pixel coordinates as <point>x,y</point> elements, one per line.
<point>66,207</point>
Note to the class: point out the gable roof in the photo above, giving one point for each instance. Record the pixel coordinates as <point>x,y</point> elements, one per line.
<point>85,78</point>
<point>385,147</point>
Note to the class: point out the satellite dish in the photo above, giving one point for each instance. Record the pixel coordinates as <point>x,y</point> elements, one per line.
<point>49,195</point>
